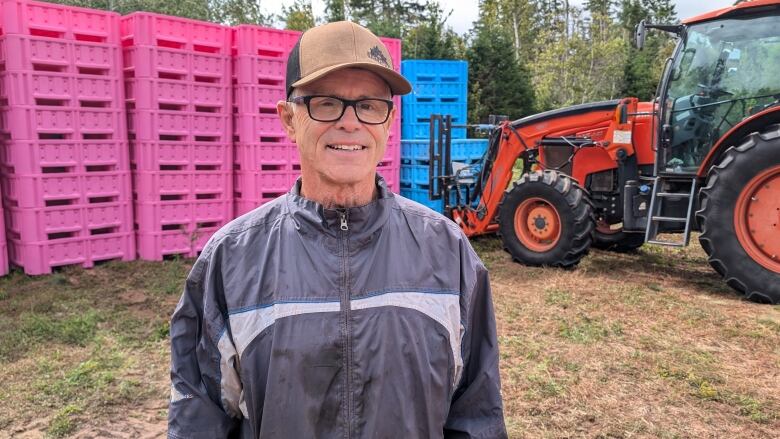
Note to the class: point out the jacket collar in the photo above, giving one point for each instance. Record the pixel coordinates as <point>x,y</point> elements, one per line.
<point>362,221</point>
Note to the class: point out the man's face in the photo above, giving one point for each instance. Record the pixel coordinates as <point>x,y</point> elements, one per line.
<point>344,152</point>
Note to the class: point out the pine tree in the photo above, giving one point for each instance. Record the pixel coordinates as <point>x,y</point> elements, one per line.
<point>430,38</point>
<point>336,10</point>
<point>499,82</point>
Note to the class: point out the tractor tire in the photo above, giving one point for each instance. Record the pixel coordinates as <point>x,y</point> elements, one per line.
<point>740,216</point>
<point>546,219</point>
<point>617,241</point>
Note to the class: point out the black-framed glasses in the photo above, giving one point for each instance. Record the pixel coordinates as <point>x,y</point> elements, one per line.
<point>323,108</point>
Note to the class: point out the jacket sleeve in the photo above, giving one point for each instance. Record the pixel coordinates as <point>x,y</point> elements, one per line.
<point>476,410</point>
<point>204,378</point>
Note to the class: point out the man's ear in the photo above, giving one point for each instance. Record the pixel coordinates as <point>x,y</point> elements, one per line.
<point>285,112</point>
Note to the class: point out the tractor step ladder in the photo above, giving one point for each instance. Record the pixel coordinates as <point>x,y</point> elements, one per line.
<point>660,193</point>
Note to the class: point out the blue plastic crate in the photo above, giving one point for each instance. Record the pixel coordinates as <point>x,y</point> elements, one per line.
<point>415,174</point>
<point>420,195</point>
<point>437,92</point>
<point>421,112</point>
<point>428,70</point>
<point>467,150</point>
<point>422,131</point>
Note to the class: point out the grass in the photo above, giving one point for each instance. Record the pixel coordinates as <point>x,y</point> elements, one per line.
<point>648,344</point>
<point>80,346</point>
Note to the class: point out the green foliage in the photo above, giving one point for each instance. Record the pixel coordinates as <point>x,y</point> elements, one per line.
<point>335,10</point>
<point>298,16</point>
<point>499,81</point>
<point>33,328</point>
<point>233,12</point>
<point>388,18</point>
<point>229,12</point>
<point>430,38</point>
<point>62,424</point>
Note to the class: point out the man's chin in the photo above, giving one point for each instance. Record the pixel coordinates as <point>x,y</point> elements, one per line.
<point>349,177</point>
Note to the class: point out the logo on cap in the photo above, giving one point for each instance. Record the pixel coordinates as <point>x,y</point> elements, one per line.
<point>376,54</point>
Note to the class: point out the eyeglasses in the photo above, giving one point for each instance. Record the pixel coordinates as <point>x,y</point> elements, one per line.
<point>330,108</point>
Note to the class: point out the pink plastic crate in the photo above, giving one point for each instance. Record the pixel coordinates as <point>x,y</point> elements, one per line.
<point>252,128</point>
<point>41,257</point>
<point>147,125</point>
<point>154,62</point>
<point>263,41</point>
<point>63,123</point>
<point>395,128</point>
<point>148,29</point>
<point>20,53</point>
<point>159,217</point>
<point>393,46</point>
<point>392,154</point>
<point>250,99</point>
<point>183,156</point>
<point>59,222</point>
<point>260,185</point>
<point>35,157</point>
<point>43,88</point>
<point>152,94</point>
<point>276,154</point>
<point>392,176</point>
<point>258,70</point>
<point>182,185</point>
<point>57,21</point>
<point>51,189</point>
<point>182,242</point>
<point>243,206</point>
<point>3,246</point>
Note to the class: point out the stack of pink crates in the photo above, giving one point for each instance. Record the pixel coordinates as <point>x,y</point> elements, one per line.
<point>63,153</point>
<point>390,166</point>
<point>267,162</point>
<point>3,247</point>
<point>177,84</point>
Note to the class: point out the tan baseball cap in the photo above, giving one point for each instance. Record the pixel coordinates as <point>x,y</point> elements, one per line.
<point>341,45</point>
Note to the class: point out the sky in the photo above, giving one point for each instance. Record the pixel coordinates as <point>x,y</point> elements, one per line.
<point>465,12</point>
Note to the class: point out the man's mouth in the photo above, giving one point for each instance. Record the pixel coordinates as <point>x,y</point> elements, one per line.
<point>339,147</point>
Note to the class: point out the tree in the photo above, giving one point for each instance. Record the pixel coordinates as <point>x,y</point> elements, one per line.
<point>499,82</point>
<point>388,18</point>
<point>228,12</point>
<point>643,68</point>
<point>299,16</point>
<point>234,12</point>
<point>430,38</point>
<point>336,10</point>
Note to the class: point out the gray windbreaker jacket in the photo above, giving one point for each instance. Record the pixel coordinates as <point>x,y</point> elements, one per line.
<point>303,322</point>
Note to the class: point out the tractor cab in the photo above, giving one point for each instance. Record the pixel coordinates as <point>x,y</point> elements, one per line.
<point>723,71</point>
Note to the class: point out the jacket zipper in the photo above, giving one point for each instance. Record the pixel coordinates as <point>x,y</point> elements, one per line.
<point>346,307</point>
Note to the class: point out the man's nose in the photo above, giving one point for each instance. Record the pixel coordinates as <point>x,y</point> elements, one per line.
<point>349,119</point>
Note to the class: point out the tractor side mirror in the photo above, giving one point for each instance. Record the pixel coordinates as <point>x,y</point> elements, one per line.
<point>640,32</point>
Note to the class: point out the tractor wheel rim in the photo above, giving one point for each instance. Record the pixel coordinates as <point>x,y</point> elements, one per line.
<point>757,219</point>
<point>537,224</point>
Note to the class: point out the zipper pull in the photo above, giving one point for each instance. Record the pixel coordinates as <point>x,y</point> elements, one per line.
<point>344,226</point>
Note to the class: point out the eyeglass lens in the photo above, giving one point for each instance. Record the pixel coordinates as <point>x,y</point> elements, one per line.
<point>328,109</point>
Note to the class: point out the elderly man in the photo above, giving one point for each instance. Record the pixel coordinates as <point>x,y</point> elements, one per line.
<point>338,310</point>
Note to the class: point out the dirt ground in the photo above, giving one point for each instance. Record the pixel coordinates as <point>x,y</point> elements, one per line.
<point>650,344</point>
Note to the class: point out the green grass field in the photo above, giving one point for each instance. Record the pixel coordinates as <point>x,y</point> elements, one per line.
<point>650,344</point>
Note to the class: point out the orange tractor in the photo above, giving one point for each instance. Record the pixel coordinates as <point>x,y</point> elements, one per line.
<point>704,156</point>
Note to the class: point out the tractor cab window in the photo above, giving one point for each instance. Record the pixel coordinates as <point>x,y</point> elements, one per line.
<point>725,71</point>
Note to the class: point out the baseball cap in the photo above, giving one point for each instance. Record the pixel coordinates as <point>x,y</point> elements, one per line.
<point>341,45</point>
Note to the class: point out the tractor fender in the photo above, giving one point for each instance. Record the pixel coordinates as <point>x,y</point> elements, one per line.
<point>734,136</point>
